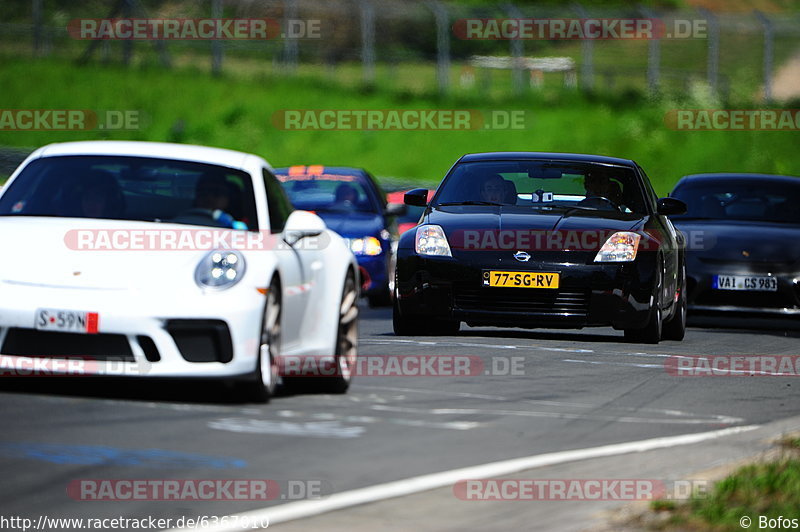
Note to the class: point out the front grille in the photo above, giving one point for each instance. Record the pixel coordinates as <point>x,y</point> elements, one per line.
<point>746,299</point>
<point>521,300</point>
<point>35,343</point>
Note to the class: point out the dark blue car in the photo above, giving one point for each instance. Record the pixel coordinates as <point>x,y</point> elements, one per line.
<point>352,203</point>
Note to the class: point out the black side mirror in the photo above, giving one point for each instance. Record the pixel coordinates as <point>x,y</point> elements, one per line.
<point>417,197</point>
<point>670,206</point>
<point>395,209</point>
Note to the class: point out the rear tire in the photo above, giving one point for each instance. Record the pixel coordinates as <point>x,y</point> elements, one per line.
<point>675,328</point>
<point>346,341</point>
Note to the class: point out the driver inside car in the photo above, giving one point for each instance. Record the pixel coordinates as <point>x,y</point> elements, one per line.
<point>601,192</point>
<point>494,189</point>
<point>212,199</point>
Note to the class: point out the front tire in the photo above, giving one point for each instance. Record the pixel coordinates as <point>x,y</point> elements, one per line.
<point>261,385</point>
<point>651,333</point>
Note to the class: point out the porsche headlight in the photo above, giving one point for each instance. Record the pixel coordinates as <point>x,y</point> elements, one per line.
<point>220,269</point>
<point>620,247</point>
<point>369,245</point>
<point>432,241</point>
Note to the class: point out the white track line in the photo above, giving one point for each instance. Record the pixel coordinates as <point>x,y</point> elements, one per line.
<point>346,499</point>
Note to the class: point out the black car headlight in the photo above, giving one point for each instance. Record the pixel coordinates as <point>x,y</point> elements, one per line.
<point>431,241</point>
<point>620,247</point>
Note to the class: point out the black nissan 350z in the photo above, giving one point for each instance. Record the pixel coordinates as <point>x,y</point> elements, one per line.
<point>543,240</point>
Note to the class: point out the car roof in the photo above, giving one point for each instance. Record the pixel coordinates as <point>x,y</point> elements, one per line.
<point>535,155</point>
<point>735,177</point>
<point>165,150</point>
<point>321,169</point>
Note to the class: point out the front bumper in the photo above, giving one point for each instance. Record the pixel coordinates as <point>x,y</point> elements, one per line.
<point>213,334</point>
<point>703,298</point>
<point>619,295</point>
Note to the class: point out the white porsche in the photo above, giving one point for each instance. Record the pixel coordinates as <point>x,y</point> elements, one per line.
<point>169,260</point>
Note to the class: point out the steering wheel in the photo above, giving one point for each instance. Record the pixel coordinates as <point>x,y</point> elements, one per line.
<point>599,202</point>
<point>200,216</point>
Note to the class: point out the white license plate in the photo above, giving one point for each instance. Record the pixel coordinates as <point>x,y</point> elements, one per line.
<point>754,283</point>
<point>50,319</point>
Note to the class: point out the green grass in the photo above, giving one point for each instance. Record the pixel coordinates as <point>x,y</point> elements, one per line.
<point>235,111</point>
<point>770,489</point>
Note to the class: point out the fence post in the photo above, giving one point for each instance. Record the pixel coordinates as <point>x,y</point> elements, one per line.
<point>769,38</point>
<point>713,50</point>
<point>653,56</point>
<point>367,40</point>
<point>517,51</point>
<point>587,51</point>
<point>216,44</point>
<point>36,15</point>
<point>290,45</point>
<point>442,44</point>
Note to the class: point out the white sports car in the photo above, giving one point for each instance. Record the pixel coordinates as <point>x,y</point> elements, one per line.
<point>169,260</point>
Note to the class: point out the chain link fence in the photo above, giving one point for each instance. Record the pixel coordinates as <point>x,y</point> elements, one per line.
<point>413,46</point>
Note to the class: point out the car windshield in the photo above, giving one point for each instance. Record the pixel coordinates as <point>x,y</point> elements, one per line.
<point>543,184</point>
<point>132,188</point>
<point>328,192</point>
<point>753,200</point>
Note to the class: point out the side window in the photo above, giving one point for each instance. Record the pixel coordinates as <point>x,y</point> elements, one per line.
<point>277,202</point>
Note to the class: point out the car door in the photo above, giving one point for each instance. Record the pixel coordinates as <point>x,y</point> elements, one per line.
<point>670,247</point>
<point>294,271</point>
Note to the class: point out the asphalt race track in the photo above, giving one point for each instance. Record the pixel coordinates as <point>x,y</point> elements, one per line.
<point>525,394</point>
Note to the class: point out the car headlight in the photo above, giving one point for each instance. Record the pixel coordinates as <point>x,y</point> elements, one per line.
<point>431,241</point>
<point>220,269</point>
<point>369,245</point>
<point>620,247</point>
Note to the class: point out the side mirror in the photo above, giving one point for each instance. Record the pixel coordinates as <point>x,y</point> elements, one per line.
<point>302,224</point>
<point>395,209</point>
<point>670,206</point>
<point>417,197</point>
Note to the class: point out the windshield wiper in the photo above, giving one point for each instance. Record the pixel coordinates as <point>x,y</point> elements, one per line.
<point>471,202</point>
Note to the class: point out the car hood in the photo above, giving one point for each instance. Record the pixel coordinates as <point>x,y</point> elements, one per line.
<point>502,218</point>
<point>741,241</point>
<point>352,224</point>
<point>44,252</point>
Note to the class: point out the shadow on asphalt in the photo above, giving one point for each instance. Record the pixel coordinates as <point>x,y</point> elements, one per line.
<point>133,389</point>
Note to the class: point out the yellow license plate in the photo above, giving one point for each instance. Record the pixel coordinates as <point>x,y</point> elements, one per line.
<point>520,279</point>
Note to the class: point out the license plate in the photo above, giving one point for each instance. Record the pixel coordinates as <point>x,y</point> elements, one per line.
<point>520,279</point>
<point>49,319</point>
<point>745,282</point>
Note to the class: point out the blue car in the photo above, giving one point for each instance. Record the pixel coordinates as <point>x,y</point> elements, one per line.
<point>352,203</point>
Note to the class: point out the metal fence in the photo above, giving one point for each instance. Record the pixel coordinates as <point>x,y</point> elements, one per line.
<point>412,46</point>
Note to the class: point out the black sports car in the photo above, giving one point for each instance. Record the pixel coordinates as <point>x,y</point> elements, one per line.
<point>542,240</point>
<point>743,242</point>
